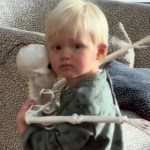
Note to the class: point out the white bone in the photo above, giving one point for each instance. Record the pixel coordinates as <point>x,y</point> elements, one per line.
<point>32,63</point>
<point>74,119</point>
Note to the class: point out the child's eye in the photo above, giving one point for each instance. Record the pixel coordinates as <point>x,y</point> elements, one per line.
<point>77,46</point>
<point>56,47</point>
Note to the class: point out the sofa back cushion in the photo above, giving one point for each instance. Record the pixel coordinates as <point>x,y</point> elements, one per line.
<point>136,20</point>
<point>26,14</point>
<point>13,87</point>
<point>31,15</point>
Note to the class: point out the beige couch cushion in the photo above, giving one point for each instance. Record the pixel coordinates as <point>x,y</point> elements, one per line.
<point>31,15</point>
<point>13,88</point>
<point>25,14</point>
<point>136,20</point>
<point>138,134</point>
<point>117,33</point>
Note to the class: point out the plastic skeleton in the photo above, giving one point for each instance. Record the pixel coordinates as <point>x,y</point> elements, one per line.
<point>33,70</point>
<point>32,62</point>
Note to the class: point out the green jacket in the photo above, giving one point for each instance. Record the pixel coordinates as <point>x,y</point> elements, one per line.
<point>94,96</point>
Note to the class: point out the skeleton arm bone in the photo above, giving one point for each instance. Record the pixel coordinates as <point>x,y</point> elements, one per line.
<point>127,47</point>
<point>74,119</point>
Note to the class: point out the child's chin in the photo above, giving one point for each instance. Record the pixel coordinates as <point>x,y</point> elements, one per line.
<point>68,76</point>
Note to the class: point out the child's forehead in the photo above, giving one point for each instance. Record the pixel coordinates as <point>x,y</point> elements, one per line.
<point>72,35</point>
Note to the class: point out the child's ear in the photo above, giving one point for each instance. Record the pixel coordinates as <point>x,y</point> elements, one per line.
<point>102,51</point>
<point>49,66</point>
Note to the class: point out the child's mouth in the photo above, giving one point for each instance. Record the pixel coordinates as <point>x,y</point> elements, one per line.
<point>66,66</point>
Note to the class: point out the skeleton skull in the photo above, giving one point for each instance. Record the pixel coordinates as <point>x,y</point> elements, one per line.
<point>32,62</point>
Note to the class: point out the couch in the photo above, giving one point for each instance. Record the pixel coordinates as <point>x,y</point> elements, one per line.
<point>22,23</point>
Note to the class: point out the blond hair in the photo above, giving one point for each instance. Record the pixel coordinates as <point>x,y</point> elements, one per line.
<point>78,16</point>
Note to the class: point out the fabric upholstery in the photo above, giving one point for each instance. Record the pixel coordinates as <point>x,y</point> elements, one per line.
<point>31,14</point>
<point>118,31</point>
<point>26,15</point>
<point>132,87</point>
<point>136,20</point>
<point>13,87</point>
<point>136,138</point>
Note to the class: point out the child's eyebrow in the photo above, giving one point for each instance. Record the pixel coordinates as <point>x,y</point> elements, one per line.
<point>76,40</point>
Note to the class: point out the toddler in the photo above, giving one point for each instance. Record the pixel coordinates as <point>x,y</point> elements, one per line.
<point>77,40</point>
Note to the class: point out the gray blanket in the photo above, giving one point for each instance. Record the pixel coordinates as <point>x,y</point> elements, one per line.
<point>132,87</point>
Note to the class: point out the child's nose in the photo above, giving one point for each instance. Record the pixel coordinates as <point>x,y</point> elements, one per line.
<point>65,53</point>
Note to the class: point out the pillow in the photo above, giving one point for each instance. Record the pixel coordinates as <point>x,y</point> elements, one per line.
<point>132,87</point>
<point>13,88</point>
<point>136,18</point>
<point>118,32</point>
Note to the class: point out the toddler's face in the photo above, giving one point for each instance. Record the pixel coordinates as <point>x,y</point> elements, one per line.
<point>72,57</point>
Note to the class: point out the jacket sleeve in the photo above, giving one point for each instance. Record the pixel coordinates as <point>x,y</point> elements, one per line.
<point>66,136</point>
<point>62,136</point>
